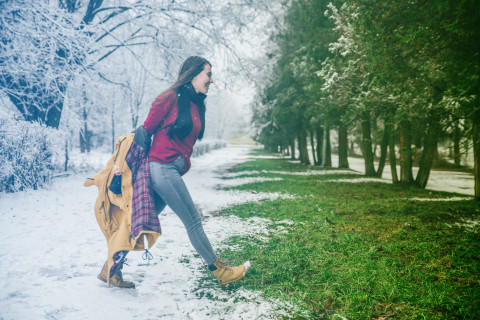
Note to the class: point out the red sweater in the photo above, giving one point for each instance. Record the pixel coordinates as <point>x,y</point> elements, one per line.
<point>164,149</point>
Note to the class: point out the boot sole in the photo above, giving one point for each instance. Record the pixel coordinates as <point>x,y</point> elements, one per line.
<point>101,278</point>
<point>247,266</point>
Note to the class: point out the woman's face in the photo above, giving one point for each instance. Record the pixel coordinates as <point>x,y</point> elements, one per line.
<point>202,81</point>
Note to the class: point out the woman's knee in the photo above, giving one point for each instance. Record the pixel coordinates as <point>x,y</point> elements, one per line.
<point>195,223</point>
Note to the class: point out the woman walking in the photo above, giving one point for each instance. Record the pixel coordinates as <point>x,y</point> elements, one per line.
<point>177,120</point>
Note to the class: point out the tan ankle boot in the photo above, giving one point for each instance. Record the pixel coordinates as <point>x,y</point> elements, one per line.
<point>117,279</point>
<point>226,274</point>
<point>103,276</point>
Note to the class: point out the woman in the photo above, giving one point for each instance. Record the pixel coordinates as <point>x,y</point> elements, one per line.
<point>177,120</point>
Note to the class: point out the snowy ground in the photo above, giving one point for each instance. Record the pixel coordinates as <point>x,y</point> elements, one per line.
<point>51,251</point>
<point>449,181</point>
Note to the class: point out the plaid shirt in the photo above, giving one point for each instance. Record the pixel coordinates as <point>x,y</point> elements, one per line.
<point>144,213</point>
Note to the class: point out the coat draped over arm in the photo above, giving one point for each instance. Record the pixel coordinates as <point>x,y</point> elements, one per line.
<point>129,221</point>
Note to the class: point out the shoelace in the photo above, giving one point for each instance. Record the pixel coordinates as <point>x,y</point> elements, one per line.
<point>223,264</point>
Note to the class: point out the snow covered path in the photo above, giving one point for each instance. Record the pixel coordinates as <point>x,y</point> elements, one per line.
<point>448,181</point>
<point>51,250</point>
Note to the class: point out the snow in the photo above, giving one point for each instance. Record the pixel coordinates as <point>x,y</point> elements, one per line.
<point>442,199</point>
<point>360,180</point>
<point>448,181</point>
<point>240,181</point>
<point>51,251</point>
<point>294,173</point>
<point>467,224</point>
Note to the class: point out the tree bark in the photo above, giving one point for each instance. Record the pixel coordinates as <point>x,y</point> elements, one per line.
<point>391,148</point>
<point>312,143</point>
<point>85,134</point>
<point>456,144</point>
<point>476,152</point>
<point>384,148</point>
<point>66,155</point>
<point>343,147</point>
<point>292,148</point>
<point>367,146</point>
<point>428,154</point>
<point>319,145</point>
<point>406,175</point>
<point>302,146</point>
<point>37,104</point>
<point>327,154</point>
<point>113,131</point>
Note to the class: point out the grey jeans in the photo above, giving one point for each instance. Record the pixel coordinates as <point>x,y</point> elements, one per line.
<point>168,184</point>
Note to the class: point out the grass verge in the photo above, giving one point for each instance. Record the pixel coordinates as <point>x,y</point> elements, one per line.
<point>368,250</point>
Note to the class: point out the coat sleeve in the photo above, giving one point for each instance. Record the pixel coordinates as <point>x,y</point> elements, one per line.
<point>143,138</point>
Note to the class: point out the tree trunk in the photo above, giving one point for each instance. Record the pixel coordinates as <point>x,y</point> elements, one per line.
<point>37,105</point>
<point>406,175</point>
<point>476,152</point>
<point>66,155</point>
<point>82,141</point>
<point>343,147</point>
<point>319,145</point>
<point>113,132</point>
<point>392,156</point>
<point>367,146</point>
<point>292,148</point>
<point>312,143</point>
<point>428,154</point>
<point>302,146</point>
<point>391,146</point>
<point>301,156</point>
<point>84,134</point>
<point>327,153</point>
<point>456,144</point>
<point>351,148</point>
<point>383,148</point>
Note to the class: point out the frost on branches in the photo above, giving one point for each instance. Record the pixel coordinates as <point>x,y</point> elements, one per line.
<point>40,49</point>
<point>28,152</point>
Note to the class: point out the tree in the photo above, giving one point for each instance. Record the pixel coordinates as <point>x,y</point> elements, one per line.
<point>48,44</point>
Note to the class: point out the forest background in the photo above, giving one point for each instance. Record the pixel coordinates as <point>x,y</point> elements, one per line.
<point>395,81</point>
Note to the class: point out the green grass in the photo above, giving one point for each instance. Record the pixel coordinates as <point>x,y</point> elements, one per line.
<point>360,250</point>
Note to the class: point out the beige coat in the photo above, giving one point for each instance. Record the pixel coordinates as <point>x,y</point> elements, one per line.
<point>114,212</point>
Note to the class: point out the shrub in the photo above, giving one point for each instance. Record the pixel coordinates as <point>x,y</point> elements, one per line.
<point>27,154</point>
<point>205,146</point>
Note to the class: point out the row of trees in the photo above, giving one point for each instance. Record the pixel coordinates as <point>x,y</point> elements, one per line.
<point>404,76</point>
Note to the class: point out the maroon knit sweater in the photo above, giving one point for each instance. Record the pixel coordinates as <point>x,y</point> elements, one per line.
<point>164,149</point>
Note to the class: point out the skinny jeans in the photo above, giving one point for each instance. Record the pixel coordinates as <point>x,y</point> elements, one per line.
<point>168,184</point>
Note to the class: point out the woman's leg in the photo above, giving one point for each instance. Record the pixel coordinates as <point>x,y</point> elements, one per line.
<point>159,203</point>
<point>167,182</point>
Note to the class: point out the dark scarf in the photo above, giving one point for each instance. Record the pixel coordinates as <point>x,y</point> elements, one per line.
<point>184,123</point>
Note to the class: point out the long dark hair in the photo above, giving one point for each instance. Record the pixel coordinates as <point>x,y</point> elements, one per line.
<point>185,92</point>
